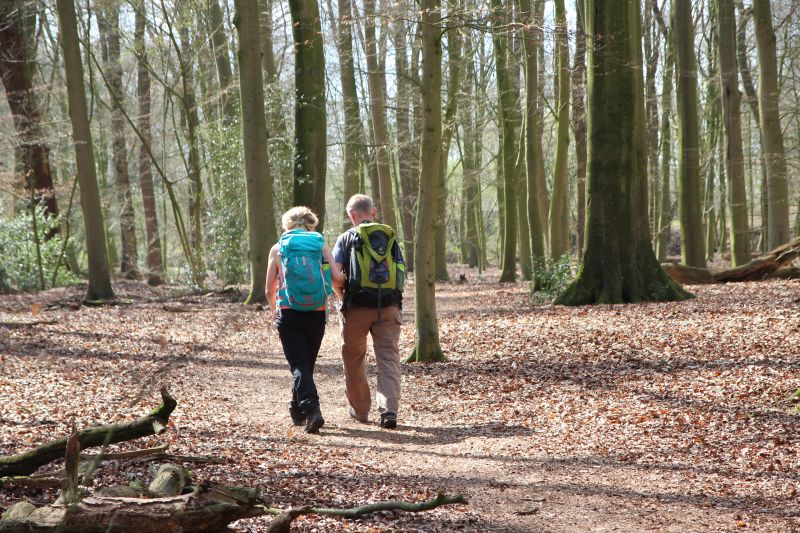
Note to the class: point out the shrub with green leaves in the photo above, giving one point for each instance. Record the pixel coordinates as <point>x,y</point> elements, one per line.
<point>19,266</point>
<point>552,277</point>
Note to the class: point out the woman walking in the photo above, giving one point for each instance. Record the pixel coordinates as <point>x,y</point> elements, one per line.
<point>299,278</point>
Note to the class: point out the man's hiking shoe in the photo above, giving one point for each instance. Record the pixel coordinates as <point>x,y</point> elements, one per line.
<point>354,416</point>
<point>314,421</point>
<point>389,420</point>
<point>297,414</point>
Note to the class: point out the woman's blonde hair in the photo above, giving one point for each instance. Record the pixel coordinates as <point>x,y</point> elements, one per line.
<point>299,217</point>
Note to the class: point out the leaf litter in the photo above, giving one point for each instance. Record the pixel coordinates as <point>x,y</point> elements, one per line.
<point>677,416</point>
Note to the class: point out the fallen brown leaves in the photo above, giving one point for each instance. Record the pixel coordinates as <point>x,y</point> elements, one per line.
<point>631,417</point>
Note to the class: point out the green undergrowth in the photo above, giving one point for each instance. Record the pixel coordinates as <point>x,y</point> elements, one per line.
<point>551,278</point>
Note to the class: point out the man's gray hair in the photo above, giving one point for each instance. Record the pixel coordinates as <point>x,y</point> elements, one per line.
<point>360,203</point>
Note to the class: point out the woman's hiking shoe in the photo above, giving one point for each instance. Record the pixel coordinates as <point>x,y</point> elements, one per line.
<point>297,414</point>
<point>314,420</point>
<point>389,420</point>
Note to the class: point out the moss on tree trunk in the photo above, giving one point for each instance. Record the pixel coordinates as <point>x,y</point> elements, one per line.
<point>618,264</point>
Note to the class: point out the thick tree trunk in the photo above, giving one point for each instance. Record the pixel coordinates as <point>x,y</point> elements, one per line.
<point>108,23</point>
<point>559,201</point>
<point>16,70</point>
<point>771,133</point>
<point>227,91</point>
<point>689,184</point>
<point>732,122</point>
<point>377,107</point>
<point>508,157</point>
<point>99,274</point>
<point>258,182</point>
<point>310,117</point>
<point>427,346</point>
<point>154,261</point>
<point>618,264</point>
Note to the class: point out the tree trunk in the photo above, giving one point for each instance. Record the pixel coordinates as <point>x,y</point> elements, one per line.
<point>559,201</point>
<point>689,184</point>
<point>534,158</point>
<point>751,97</point>
<point>227,92</point>
<point>665,211</point>
<point>154,261</point>
<point>579,120</point>
<point>99,274</point>
<point>405,146</point>
<point>377,108</point>
<point>449,126</point>
<point>192,123</point>
<point>353,128</point>
<point>771,133</point>
<point>509,147</point>
<point>16,71</point>
<point>771,265</point>
<point>732,122</point>
<point>258,182</point>
<point>108,24</point>
<point>427,346</point>
<point>618,264</point>
<point>310,117</point>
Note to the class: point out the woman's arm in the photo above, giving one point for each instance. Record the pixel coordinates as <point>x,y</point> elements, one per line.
<point>337,277</point>
<point>272,276</point>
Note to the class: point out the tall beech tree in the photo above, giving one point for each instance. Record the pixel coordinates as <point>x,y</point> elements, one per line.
<point>508,143</point>
<point>16,72</point>
<point>376,79</point>
<point>108,24</point>
<point>427,347</point>
<point>732,123</point>
<point>559,201</point>
<point>689,183</point>
<point>618,262</point>
<point>406,154</point>
<point>353,127</point>
<point>258,182</point>
<point>579,120</point>
<point>534,158</point>
<point>310,117</point>
<point>153,238</point>
<point>99,274</point>
<point>771,133</point>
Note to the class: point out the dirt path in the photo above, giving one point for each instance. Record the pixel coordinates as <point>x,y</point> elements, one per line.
<point>674,417</point>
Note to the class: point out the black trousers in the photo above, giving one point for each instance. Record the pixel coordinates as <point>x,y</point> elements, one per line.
<point>301,335</point>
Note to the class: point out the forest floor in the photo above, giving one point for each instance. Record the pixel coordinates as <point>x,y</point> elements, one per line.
<point>649,417</point>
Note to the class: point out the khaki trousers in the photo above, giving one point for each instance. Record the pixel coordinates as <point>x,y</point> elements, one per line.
<point>356,323</point>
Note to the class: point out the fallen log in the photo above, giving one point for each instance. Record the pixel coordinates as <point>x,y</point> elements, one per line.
<point>26,463</point>
<point>760,268</point>
<point>208,507</point>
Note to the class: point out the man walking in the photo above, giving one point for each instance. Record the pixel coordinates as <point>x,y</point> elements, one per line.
<point>372,296</point>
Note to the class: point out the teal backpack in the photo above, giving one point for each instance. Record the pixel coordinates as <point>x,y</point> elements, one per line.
<point>306,279</point>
